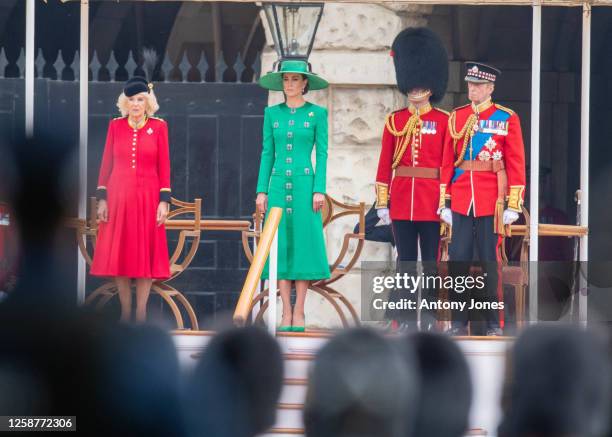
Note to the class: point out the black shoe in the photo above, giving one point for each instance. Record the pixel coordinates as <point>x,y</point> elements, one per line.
<point>458,331</point>
<point>428,321</point>
<point>428,326</point>
<point>495,332</point>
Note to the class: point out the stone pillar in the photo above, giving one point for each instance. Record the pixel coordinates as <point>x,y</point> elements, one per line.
<point>352,52</point>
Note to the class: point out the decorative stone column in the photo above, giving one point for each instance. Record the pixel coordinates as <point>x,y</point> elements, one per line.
<point>352,52</point>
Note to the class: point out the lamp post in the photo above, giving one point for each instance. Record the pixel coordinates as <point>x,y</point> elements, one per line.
<point>293,27</point>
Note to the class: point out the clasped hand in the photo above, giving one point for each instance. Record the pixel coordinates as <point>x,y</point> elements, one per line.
<point>162,212</point>
<point>318,199</point>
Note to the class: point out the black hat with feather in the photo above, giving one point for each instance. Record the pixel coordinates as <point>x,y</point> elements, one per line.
<point>420,61</point>
<point>139,84</point>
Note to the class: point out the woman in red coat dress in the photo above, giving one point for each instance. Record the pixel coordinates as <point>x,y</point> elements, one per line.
<point>134,195</point>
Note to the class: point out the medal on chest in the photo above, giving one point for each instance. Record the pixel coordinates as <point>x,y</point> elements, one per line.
<point>429,127</point>
<point>495,127</point>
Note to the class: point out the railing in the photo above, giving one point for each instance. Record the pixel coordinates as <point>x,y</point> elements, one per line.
<point>268,245</point>
<point>210,225</point>
<point>551,230</point>
<point>185,69</point>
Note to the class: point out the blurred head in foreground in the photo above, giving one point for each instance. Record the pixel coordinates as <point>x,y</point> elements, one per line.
<point>445,393</point>
<point>359,386</point>
<point>236,385</point>
<point>558,384</point>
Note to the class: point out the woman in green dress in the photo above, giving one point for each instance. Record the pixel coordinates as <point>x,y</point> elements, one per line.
<point>288,180</point>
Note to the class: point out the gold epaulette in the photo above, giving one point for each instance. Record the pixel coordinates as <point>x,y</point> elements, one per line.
<point>503,108</point>
<point>442,110</point>
<point>390,124</point>
<point>157,118</point>
<point>461,107</point>
<point>119,118</point>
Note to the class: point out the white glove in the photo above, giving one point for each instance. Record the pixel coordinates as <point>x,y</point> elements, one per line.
<point>510,217</point>
<point>446,216</point>
<point>383,215</point>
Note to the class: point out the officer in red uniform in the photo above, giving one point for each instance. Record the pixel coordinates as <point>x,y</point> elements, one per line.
<point>411,154</point>
<point>483,179</point>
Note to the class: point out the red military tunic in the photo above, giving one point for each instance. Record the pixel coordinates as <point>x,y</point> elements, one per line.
<point>495,135</point>
<point>412,198</point>
<point>135,169</point>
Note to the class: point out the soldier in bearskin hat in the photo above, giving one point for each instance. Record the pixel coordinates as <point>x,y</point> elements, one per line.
<point>407,181</point>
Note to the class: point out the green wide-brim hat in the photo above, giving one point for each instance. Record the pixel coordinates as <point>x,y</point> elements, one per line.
<point>274,79</point>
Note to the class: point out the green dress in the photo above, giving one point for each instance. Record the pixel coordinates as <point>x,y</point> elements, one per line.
<point>286,173</point>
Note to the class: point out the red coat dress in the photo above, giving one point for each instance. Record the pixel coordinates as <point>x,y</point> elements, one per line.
<point>495,135</point>
<point>135,170</point>
<point>412,198</point>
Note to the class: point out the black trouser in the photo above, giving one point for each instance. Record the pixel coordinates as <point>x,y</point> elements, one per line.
<point>471,233</point>
<point>408,236</point>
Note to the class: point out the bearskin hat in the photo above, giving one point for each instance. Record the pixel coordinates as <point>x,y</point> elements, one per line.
<point>420,61</point>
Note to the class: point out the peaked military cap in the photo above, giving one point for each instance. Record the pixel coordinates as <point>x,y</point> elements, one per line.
<point>478,72</point>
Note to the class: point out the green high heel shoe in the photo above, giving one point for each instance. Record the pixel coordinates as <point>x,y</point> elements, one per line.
<point>284,328</point>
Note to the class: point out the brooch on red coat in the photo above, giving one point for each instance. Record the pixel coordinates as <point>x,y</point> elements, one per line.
<point>484,155</point>
<point>149,131</point>
<point>490,144</point>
